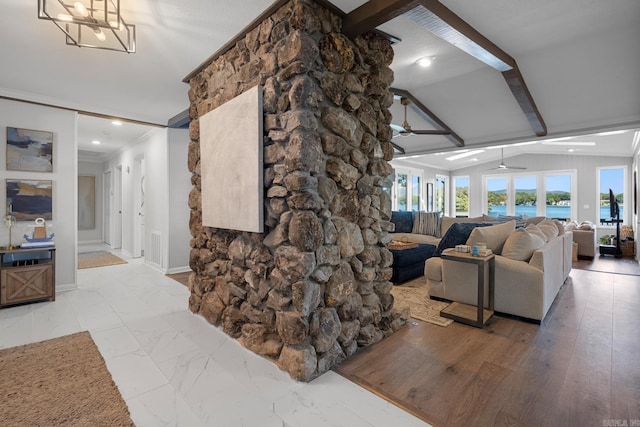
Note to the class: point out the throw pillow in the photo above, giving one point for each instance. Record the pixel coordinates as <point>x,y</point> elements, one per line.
<point>535,219</point>
<point>555,223</point>
<point>447,221</point>
<point>534,229</point>
<point>426,223</point>
<point>403,221</point>
<point>494,235</point>
<point>520,245</point>
<point>457,234</point>
<point>549,229</point>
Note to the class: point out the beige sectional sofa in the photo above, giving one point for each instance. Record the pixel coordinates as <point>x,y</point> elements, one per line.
<point>526,282</point>
<point>445,223</point>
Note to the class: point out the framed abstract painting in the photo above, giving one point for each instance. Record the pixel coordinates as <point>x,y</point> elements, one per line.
<point>29,150</point>
<point>30,199</point>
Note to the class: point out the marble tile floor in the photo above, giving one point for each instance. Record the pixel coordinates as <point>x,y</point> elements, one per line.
<point>175,369</point>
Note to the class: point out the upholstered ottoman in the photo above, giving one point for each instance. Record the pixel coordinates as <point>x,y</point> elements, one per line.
<point>409,263</point>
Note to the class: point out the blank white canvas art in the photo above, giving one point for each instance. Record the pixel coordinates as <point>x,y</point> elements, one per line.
<point>231,164</point>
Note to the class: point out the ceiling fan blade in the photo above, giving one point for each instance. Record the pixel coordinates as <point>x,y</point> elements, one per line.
<point>515,167</point>
<point>397,128</point>
<point>431,132</point>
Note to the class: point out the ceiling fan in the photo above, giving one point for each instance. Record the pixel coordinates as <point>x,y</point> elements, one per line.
<point>406,130</point>
<point>503,166</point>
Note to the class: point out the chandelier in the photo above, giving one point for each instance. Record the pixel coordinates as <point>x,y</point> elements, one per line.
<point>96,24</point>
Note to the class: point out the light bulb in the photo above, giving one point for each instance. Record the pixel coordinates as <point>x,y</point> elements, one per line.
<point>65,17</point>
<point>424,62</point>
<point>99,34</point>
<point>95,142</point>
<point>82,10</point>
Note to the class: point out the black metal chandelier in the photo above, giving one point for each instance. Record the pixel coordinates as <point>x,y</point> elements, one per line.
<point>95,24</point>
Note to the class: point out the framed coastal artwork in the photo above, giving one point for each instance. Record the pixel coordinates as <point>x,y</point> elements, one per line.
<point>29,150</point>
<point>86,202</point>
<point>30,199</point>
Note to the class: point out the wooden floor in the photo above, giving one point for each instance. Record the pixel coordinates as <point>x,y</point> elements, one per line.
<point>581,367</point>
<point>181,277</point>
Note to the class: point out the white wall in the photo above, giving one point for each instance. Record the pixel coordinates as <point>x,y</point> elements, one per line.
<point>93,169</point>
<point>64,176</point>
<point>167,186</point>
<point>179,189</point>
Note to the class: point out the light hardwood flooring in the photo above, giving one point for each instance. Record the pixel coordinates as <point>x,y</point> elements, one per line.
<point>580,367</point>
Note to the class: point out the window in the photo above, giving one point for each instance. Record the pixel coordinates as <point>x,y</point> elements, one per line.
<point>439,202</point>
<point>558,197</point>
<point>611,178</point>
<point>526,195</point>
<point>407,190</point>
<point>415,193</point>
<point>496,196</point>
<point>461,185</point>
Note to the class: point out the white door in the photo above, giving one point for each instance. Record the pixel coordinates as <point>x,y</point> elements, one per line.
<point>138,220</point>
<point>108,203</point>
<point>117,209</point>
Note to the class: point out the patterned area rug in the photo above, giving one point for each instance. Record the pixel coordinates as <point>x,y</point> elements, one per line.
<point>414,296</point>
<point>98,259</point>
<point>59,382</point>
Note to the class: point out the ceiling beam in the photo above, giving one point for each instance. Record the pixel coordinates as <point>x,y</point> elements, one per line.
<point>373,13</point>
<point>441,21</point>
<point>523,96</point>
<point>429,116</point>
<point>397,147</point>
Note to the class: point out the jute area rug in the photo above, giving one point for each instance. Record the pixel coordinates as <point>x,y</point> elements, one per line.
<point>98,259</point>
<point>414,296</point>
<point>59,382</point>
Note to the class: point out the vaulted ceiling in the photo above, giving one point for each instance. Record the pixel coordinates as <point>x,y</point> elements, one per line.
<point>579,60</point>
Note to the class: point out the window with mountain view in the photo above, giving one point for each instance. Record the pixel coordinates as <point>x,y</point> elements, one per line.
<point>610,178</point>
<point>558,196</point>
<point>461,184</point>
<point>496,196</point>
<point>526,195</point>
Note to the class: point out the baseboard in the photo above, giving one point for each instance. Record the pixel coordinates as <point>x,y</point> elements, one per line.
<point>177,270</point>
<point>90,242</point>
<point>155,266</point>
<point>66,287</point>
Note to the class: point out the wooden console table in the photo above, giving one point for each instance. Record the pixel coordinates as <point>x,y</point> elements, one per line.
<point>27,275</point>
<point>464,313</point>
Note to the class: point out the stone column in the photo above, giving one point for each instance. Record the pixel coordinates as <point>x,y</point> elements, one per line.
<point>315,286</point>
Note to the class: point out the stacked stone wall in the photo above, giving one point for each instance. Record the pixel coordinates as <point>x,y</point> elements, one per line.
<point>315,286</point>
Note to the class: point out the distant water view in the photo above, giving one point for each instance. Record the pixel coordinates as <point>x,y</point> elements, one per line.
<point>552,211</point>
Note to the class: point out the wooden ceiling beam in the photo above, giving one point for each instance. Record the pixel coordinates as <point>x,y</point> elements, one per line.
<point>429,116</point>
<point>441,21</point>
<point>373,13</point>
<point>520,91</point>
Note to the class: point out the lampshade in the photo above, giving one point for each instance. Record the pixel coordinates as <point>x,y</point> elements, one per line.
<point>95,24</point>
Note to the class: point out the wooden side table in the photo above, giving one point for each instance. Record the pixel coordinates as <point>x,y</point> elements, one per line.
<point>464,313</point>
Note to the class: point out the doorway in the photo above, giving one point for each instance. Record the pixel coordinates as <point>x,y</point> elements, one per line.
<point>139,219</point>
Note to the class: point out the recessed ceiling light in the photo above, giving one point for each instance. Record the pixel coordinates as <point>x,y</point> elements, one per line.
<point>463,155</point>
<point>571,150</point>
<point>116,123</point>
<point>613,132</point>
<point>95,142</point>
<point>475,159</point>
<point>576,143</point>
<point>426,61</point>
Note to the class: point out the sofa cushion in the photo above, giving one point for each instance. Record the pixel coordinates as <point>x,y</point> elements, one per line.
<point>534,229</point>
<point>493,236</point>
<point>457,234</point>
<point>447,221</point>
<point>520,245</point>
<point>549,229</point>
<point>557,224</point>
<point>426,223</point>
<point>533,219</point>
<point>403,221</point>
